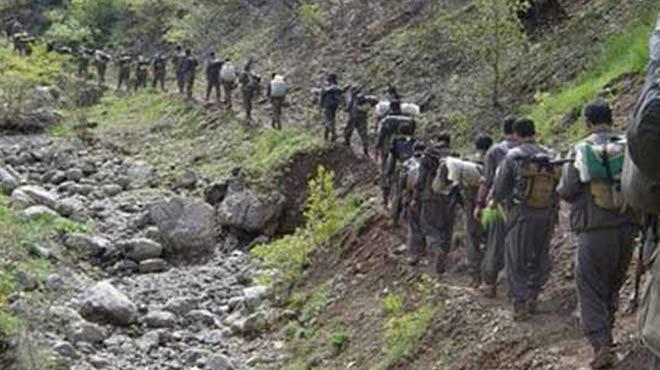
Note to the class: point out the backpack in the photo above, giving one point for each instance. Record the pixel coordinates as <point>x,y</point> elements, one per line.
<point>403,148</point>
<point>601,167</point>
<point>536,183</point>
<point>228,72</point>
<point>278,87</point>
<point>332,97</point>
<point>649,315</point>
<point>640,181</point>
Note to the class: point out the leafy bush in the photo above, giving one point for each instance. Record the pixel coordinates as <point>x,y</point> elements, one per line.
<point>312,17</point>
<point>339,338</point>
<point>404,332</point>
<point>393,304</point>
<point>325,215</point>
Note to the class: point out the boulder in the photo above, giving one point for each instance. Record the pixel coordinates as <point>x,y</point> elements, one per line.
<point>74,174</point>
<point>37,212</point>
<point>159,319</point>
<point>71,207</point>
<point>111,189</point>
<point>152,265</point>
<point>202,316</point>
<point>181,305</point>
<point>65,349</point>
<point>141,249</point>
<point>20,200</point>
<point>246,210</point>
<point>93,246</point>
<point>104,304</point>
<point>220,362</point>
<point>8,182</point>
<point>140,174</point>
<point>255,295</point>
<point>149,341</point>
<point>87,332</point>
<point>186,226</point>
<point>40,196</point>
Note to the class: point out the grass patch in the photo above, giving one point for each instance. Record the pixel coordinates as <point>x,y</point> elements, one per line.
<point>626,52</point>
<point>273,148</point>
<point>339,339</point>
<point>403,330</point>
<point>393,304</point>
<point>325,216</point>
<point>16,237</point>
<point>40,68</point>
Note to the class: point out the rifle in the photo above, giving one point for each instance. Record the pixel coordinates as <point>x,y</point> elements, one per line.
<point>649,225</point>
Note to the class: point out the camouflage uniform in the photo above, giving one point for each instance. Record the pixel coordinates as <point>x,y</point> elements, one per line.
<point>159,70</point>
<point>178,62</point>
<point>124,71</point>
<point>213,68</point>
<point>529,230</point>
<point>141,73</point>
<point>83,63</point>
<point>189,72</point>
<point>331,99</point>
<point>249,90</point>
<point>358,109</point>
<point>101,60</point>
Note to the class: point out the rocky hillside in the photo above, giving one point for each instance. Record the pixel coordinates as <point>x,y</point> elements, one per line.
<point>142,231</point>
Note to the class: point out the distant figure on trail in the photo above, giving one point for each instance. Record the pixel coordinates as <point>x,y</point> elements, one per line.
<point>84,58</point>
<point>124,63</point>
<point>493,259</point>
<point>189,68</point>
<point>525,186</point>
<point>101,60</point>
<point>358,116</point>
<point>213,66</point>
<point>332,97</point>
<point>250,86</point>
<point>141,73</point>
<point>178,62</point>
<point>605,227</point>
<point>432,213</point>
<point>475,232</point>
<point>159,71</point>
<point>277,91</point>
<point>12,27</point>
<point>228,78</point>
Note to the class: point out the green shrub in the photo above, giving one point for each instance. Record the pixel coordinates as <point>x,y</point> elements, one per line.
<point>339,339</point>
<point>393,304</point>
<point>325,215</point>
<point>313,17</point>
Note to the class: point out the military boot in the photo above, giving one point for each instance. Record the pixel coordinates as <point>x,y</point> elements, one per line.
<point>440,263</point>
<point>489,291</point>
<point>532,305</point>
<point>520,312</point>
<point>604,359</point>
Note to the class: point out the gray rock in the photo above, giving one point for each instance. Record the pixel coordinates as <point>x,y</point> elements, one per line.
<point>68,207</point>
<point>63,316</point>
<point>57,178</point>
<point>255,295</point>
<point>8,182</point>
<point>151,266</point>
<point>187,226</point>
<point>40,196</point>
<point>141,249</point>
<point>126,266</point>
<point>148,342</point>
<point>74,174</point>
<point>27,281</point>
<point>111,190</point>
<point>159,319</point>
<point>104,304</point>
<point>21,200</point>
<point>87,332</point>
<point>202,316</point>
<point>140,174</point>
<point>220,362</point>
<point>37,212</point>
<point>65,349</point>
<point>99,362</point>
<point>248,211</point>
<point>82,189</point>
<point>181,305</point>
<point>94,246</point>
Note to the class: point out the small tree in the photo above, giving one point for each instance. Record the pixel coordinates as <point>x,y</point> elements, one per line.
<point>495,31</point>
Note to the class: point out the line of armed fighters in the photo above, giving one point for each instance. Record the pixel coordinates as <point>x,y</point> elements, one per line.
<point>509,192</point>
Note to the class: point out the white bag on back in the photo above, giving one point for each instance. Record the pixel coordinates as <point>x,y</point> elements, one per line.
<point>278,87</point>
<point>410,109</point>
<point>228,72</point>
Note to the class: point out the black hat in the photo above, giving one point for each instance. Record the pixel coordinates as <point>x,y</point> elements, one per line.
<point>598,112</point>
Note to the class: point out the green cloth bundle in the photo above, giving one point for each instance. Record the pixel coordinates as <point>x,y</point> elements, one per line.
<point>491,215</point>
